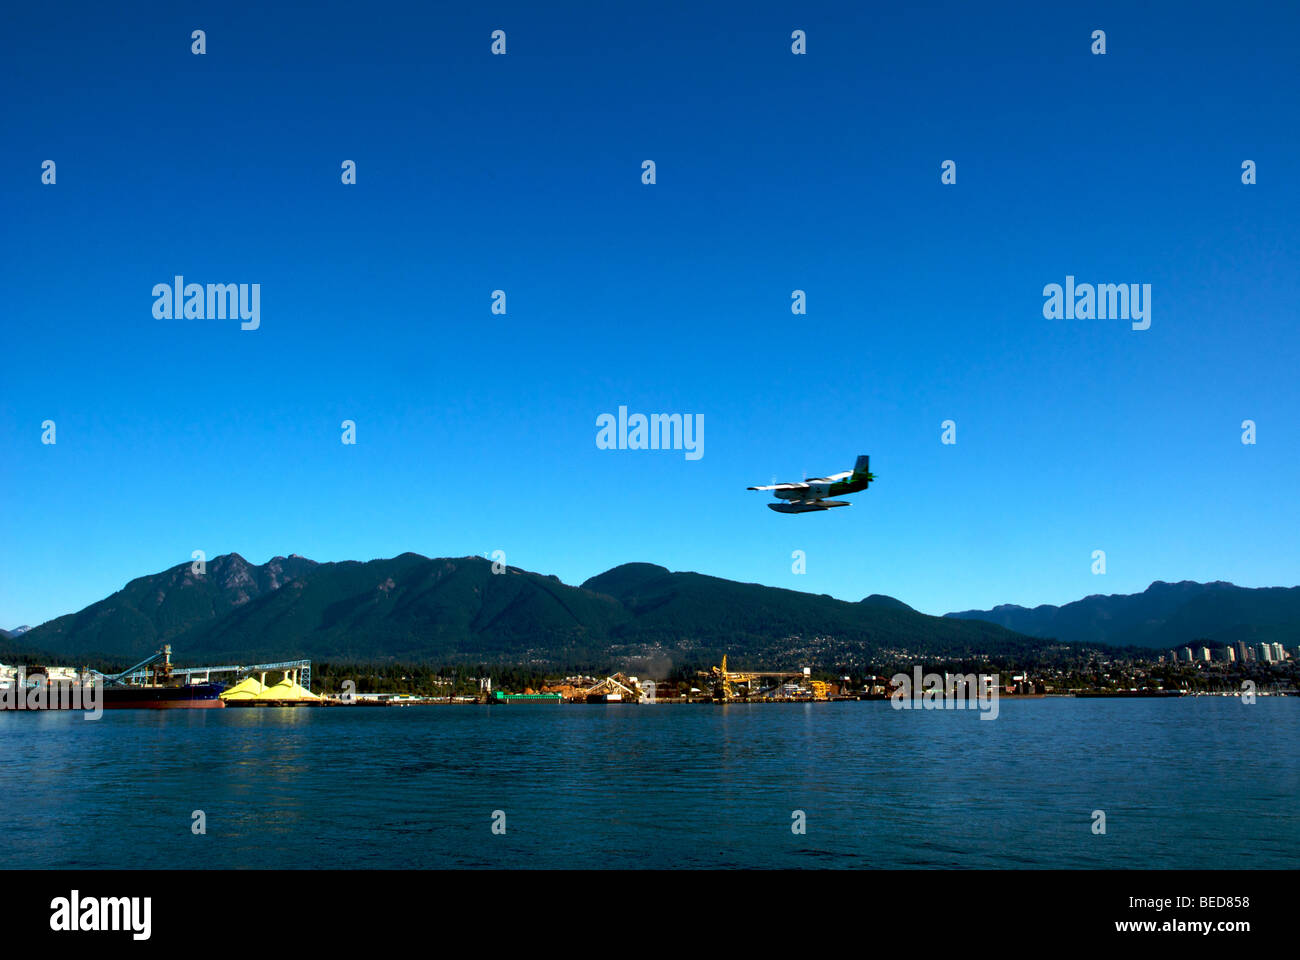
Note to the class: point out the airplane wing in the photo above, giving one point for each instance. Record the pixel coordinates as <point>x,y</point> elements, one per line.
<point>781,486</point>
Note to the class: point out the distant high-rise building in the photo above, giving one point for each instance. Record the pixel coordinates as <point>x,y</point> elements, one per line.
<point>1265,653</point>
<point>1229,655</point>
<point>1205,654</point>
<point>1279,654</point>
<point>1243,651</point>
<point>1185,654</point>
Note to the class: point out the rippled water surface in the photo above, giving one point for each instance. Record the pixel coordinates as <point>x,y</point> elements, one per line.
<point>1193,783</point>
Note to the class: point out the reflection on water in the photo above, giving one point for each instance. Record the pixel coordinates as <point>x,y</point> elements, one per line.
<point>1197,782</point>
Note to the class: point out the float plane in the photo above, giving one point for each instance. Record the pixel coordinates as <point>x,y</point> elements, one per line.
<point>811,495</point>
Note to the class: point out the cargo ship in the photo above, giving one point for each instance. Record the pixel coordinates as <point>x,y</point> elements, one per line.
<point>158,697</point>
<point>159,691</point>
<point>147,685</point>
<point>74,695</point>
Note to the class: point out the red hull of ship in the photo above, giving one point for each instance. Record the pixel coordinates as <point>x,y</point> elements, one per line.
<point>165,705</point>
<point>191,697</point>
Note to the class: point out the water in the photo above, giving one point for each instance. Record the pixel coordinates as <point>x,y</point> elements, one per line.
<point>1192,783</point>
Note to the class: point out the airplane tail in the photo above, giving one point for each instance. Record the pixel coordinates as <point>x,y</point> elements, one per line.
<point>862,468</point>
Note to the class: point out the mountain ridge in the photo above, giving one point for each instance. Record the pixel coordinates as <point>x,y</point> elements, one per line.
<point>416,608</point>
<point>1163,616</point>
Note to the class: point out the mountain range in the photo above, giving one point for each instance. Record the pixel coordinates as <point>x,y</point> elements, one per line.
<point>412,608</point>
<point>1164,616</point>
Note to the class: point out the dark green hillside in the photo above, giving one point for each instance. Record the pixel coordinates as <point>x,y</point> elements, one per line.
<point>155,609</point>
<point>414,609</point>
<point>1164,616</point>
<point>667,608</point>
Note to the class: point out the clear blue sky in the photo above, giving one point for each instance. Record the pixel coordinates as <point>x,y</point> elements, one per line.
<point>775,172</point>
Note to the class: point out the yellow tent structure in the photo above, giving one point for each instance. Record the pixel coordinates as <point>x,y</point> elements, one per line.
<point>287,689</point>
<point>250,688</point>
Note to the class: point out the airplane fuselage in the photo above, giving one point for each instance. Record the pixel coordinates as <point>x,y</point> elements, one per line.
<point>822,487</point>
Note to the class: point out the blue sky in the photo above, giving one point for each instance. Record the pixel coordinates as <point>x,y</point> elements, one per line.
<point>775,172</point>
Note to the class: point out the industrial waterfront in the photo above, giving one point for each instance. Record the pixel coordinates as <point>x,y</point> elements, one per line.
<point>155,683</point>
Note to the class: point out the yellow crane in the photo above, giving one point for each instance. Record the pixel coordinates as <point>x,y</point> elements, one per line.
<point>724,680</point>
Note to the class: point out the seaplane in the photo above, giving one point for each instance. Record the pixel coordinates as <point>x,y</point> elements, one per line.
<point>810,495</point>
